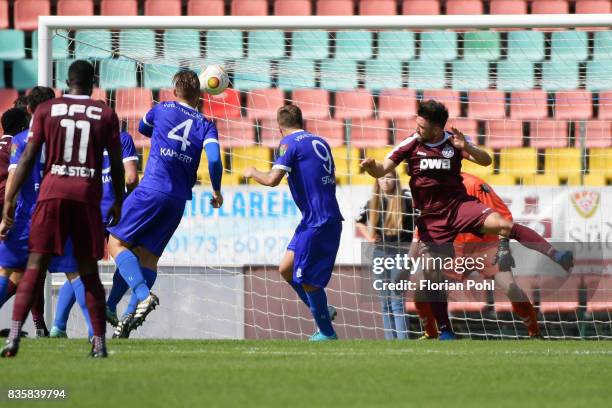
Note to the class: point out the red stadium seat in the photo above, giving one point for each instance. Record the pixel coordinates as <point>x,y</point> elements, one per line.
<point>235,132</point>
<point>166,94</point>
<point>528,105</point>
<point>26,13</point>
<point>397,103</point>
<point>7,97</point>
<point>508,7</point>
<point>205,8</point>
<point>75,8</point>
<point>133,103</point>
<point>292,8</point>
<point>162,8</point>
<point>403,129</point>
<point>331,130</point>
<point>314,103</point>
<point>4,14</point>
<point>572,105</point>
<point>464,7</point>
<point>605,105</point>
<point>354,104</point>
<point>550,7</point>
<point>421,7</point>
<point>504,133</point>
<point>335,8</point>
<point>223,106</point>
<point>593,7</point>
<point>249,7</point>
<point>264,103</point>
<point>99,95</point>
<point>269,134</point>
<point>548,133</point>
<point>119,7</point>
<point>451,99</point>
<point>598,134</point>
<point>486,105</point>
<point>468,127</point>
<point>377,7</point>
<point>369,133</point>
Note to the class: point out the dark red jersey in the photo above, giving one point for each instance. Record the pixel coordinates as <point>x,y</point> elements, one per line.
<point>75,130</point>
<point>5,157</point>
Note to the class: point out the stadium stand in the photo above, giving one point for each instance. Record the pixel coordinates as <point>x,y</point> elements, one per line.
<point>4,14</point>
<point>292,7</point>
<point>119,7</point>
<point>314,103</point>
<point>75,7</point>
<point>26,13</point>
<point>335,7</point>
<point>205,8</point>
<point>421,7</point>
<point>464,7</point>
<point>249,7</point>
<point>397,103</point>
<point>354,105</point>
<point>223,106</point>
<point>377,8</point>
<point>508,7</point>
<point>263,103</point>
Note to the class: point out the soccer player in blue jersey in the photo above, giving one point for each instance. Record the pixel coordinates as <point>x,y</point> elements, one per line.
<point>73,289</point>
<point>309,261</point>
<point>154,210</point>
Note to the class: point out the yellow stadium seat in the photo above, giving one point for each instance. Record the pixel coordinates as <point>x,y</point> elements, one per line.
<point>500,180</point>
<point>145,156</point>
<point>546,179</point>
<point>476,169</point>
<point>565,163</point>
<point>518,162</point>
<point>600,162</point>
<point>594,180</point>
<point>203,176</point>
<point>346,161</point>
<point>362,179</point>
<point>378,153</point>
<point>240,158</point>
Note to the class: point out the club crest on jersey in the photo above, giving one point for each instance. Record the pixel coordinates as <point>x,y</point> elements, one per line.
<point>282,149</point>
<point>448,151</point>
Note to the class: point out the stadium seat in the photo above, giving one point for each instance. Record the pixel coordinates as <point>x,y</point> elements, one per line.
<point>294,74</point>
<point>438,45</point>
<point>600,162</point>
<point>563,162</point>
<point>99,95</point>
<point>346,160</point>
<point>4,15</point>
<point>593,6</point>
<point>292,8</point>
<point>25,74</point>
<point>560,76</point>
<point>137,43</point>
<point>476,169</point>
<point>355,45</point>
<point>269,134</point>
<point>117,73</point>
<point>335,7</point>
<point>513,75</point>
<point>451,99</point>
<point>158,76</point>
<point>266,44</point>
<point>459,7</point>
<point>508,7</point>
<point>528,105</point>
<point>397,103</point>
<point>381,74</point>
<point>133,103</point>
<point>548,133</point>
<point>240,158</point>
<point>339,74</point>
<point>354,104</point>
<point>488,104</point>
<point>310,44</point>
<point>84,39</point>
<point>421,7</point>
<point>369,133</point>
<point>314,103</point>
<point>205,7</point>
<point>75,8</point>
<point>549,7</point>
<point>518,162</point>
<point>264,103</point>
<point>598,133</point>
<point>119,7</point>
<point>598,75</point>
<point>602,46</point>
<point>604,104</point>
<point>569,46</point>
<point>224,44</point>
<point>402,129</point>
<point>252,74</point>
<point>504,133</point>
<point>12,45</point>
<point>468,75</point>
<point>61,73</point>
<point>60,44</point>
<point>26,13</point>
<point>573,105</point>
<point>398,45</point>
<point>526,45</point>
<point>7,96</point>
<point>235,132</point>
<point>481,45</point>
<point>162,7</point>
<point>377,8</point>
<point>426,74</point>
<point>331,130</point>
<point>223,106</point>
<point>249,8</point>
<point>182,44</point>
<point>469,127</point>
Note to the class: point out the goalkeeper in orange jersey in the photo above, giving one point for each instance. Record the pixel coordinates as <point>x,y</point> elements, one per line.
<point>470,245</point>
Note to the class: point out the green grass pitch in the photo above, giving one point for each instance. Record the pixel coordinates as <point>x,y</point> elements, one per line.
<point>189,373</point>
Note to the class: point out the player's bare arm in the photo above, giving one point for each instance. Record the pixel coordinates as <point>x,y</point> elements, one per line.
<point>217,199</point>
<point>474,154</point>
<point>270,178</point>
<point>377,169</point>
<point>118,179</point>
<point>131,175</point>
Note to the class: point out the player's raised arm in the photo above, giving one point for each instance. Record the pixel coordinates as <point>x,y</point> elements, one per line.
<point>472,153</point>
<point>117,171</point>
<point>215,167</point>
<point>377,169</point>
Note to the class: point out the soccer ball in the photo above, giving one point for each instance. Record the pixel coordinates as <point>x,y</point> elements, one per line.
<point>214,80</point>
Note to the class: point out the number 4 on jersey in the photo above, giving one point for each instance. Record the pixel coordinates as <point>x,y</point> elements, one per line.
<point>184,139</point>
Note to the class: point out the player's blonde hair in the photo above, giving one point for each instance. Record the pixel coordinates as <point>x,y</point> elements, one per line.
<point>187,85</point>
<point>396,208</point>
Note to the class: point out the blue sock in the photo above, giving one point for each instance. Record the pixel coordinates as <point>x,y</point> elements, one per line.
<point>150,276</point>
<point>318,307</point>
<point>64,303</point>
<point>79,293</point>
<point>129,268</point>
<point>299,289</point>
<point>117,291</point>
<point>4,280</point>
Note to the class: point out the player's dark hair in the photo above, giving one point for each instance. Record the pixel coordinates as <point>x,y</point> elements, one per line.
<point>187,85</point>
<point>290,117</point>
<point>81,74</point>
<point>14,121</point>
<point>434,111</point>
<point>38,95</point>
<point>21,102</point>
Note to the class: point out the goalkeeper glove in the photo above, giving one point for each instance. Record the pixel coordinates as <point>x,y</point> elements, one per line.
<point>503,257</point>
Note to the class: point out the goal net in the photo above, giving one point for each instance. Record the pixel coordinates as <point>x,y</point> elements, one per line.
<point>538,99</point>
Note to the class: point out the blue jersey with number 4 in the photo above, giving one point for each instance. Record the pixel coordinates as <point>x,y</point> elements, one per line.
<point>179,134</point>
<point>310,166</point>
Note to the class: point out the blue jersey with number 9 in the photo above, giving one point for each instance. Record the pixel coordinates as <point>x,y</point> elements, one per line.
<point>179,134</point>
<point>310,166</point>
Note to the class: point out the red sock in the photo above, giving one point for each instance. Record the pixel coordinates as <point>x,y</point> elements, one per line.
<point>10,290</point>
<point>33,280</point>
<point>38,309</point>
<point>96,303</point>
<point>527,313</point>
<point>531,239</point>
<point>427,318</point>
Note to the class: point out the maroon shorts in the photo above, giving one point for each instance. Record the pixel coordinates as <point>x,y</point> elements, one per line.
<point>460,215</point>
<point>55,220</point>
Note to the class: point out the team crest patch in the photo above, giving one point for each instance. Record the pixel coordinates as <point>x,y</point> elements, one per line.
<point>282,149</point>
<point>448,151</point>
<point>585,202</point>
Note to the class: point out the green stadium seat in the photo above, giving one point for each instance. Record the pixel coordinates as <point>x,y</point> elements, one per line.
<point>569,46</point>
<point>118,73</point>
<point>182,43</point>
<point>92,44</point>
<point>470,75</point>
<point>526,45</point>
<point>25,74</point>
<point>383,74</point>
<point>598,76</point>
<point>515,75</point>
<point>398,45</point>
<point>426,74</point>
<point>137,43</point>
<point>310,45</point>
<point>481,45</point>
<point>602,48</point>
<point>560,75</point>
<point>267,44</point>
<point>355,45</point>
<point>339,75</point>
<point>438,45</point>
<point>61,73</point>
<point>252,74</point>
<point>60,44</point>
<point>294,74</point>
<point>159,76</point>
<point>224,44</point>
<point>12,45</point>
<point>2,83</point>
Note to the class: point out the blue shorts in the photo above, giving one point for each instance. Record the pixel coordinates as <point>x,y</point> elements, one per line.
<point>149,219</point>
<point>315,250</point>
<point>66,263</point>
<point>14,255</point>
